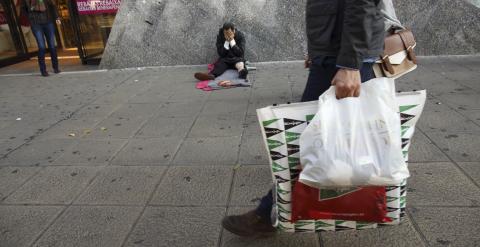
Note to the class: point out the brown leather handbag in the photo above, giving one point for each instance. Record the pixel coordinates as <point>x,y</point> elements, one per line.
<point>398,57</point>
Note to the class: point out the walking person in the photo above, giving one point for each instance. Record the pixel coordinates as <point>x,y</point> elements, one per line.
<point>42,14</point>
<point>344,39</point>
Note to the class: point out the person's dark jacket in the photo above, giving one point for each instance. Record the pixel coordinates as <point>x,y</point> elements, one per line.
<point>234,54</point>
<point>351,30</point>
<point>36,17</point>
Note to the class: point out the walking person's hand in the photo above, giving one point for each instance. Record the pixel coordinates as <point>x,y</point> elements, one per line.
<point>347,83</point>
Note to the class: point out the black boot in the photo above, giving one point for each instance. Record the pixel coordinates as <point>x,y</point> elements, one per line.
<point>242,74</point>
<point>248,225</point>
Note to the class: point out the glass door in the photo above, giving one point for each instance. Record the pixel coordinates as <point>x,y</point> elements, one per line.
<point>11,45</point>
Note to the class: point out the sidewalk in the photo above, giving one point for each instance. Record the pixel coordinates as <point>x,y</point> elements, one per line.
<point>141,158</point>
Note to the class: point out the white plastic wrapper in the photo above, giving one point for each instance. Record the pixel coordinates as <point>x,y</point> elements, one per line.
<point>355,141</point>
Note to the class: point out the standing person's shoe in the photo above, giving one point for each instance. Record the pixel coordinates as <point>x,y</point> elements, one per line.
<point>204,76</point>
<point>44,73</point>
<point>242,74</point>
<point>248,225</point>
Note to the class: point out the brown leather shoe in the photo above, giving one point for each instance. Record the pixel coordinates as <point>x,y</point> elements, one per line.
<point>248,225</point>
<point>204,76</point>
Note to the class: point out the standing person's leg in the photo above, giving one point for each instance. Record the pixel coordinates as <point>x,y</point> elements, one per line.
<point>322,71</point>
<point>49,30</point>
<point>39,37</point>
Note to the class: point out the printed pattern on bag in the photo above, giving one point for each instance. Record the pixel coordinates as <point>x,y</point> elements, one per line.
<point>282,142</point>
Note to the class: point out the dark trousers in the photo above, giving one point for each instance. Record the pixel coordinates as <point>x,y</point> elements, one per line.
<point>222,65</point>
<point>42,32</point>
<point>322,71</point>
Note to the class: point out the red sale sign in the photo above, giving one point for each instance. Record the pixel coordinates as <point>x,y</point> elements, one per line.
<point>92,7</point>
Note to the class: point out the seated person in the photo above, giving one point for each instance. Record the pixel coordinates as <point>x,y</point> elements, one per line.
<point>231,49</point>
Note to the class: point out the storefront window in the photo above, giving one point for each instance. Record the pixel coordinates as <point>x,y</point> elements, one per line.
<point>26,31</point>
<point>95,22</point>
<point>8,49</point>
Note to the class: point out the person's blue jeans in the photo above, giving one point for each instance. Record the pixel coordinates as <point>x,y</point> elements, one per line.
<point>42,32</point>
<point>322,71</point>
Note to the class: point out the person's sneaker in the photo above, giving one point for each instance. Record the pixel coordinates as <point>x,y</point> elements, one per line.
<point>204,76</point>
<point>248,225</point>
<point>242,74</point>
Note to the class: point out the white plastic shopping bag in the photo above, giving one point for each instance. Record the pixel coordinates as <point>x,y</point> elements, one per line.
<point>354,141</point>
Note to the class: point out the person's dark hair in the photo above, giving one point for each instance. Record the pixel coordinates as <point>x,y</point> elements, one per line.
<point>228,25</point>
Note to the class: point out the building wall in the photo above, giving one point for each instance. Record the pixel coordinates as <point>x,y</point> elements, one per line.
<point>174,32</point>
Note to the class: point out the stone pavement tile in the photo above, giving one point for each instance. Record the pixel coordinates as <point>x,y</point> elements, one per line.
<point>39,152</point>
<point>252,126</point>
<point>276,95</point>
<point>250,184</point>
<point>177,226</point>
<point>236,94</point>
<point>188,92</point>
<point>21,224</point>
<point>180,109</point>
<point>279,239</point>
<point>217,125</point>
<point>253,151</point>
<point>124,122</point>
<point>462,101</point>
<point>122,185</point>
<point>81,121</point>
<point>166,127</point>
<point>440,184</point>
<point>11,178</point>
<point>225,107</point>
<point>473,115</point>
<point>91,152</point>
<point>448,226</point>
<point>7,146</point>
<point>194,186</point>
<point>399,235</point>
<point>157,151</point>
<point>472,169</point>
<point>210,151</point>
<point>152,95</point>
<point>54,185</point>
<point>423,150</point>
<point>459,146</point>
<point>441,118</point>
<point>90,226</point>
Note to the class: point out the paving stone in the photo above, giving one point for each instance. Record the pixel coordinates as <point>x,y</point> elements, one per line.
<point>7,146</point>
<point>124,122</point>
<point>448,226</point>
<point>39,152</point>
<point>253,151</point>
<point>279,239</point>
<point>166,127</point>
<point>90,226</point>
<point>180,109</point>
<point>252,126</point>
<point>152,96</point>
<point>91,152</point>
<point>459,146</point>
<point>122,185</point>
<point>423,150</point>
<point>467,100</point>
<point>440,184</point>
<point>441,118</point>
<point>473,115</point>
<point>11,178</point>
<point>250,184</point>
<point>54,185</point>
<point>222,107</point>
<point>472,169</point>
<point>236,94</point>
<point>276,95</point>
<point>175,226</point>
<point>158,151</point>
<point>219,125</point>
<point>214,151</point>
<point>20,225</point>
<point>401,235</point>
<point>194,186</point>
